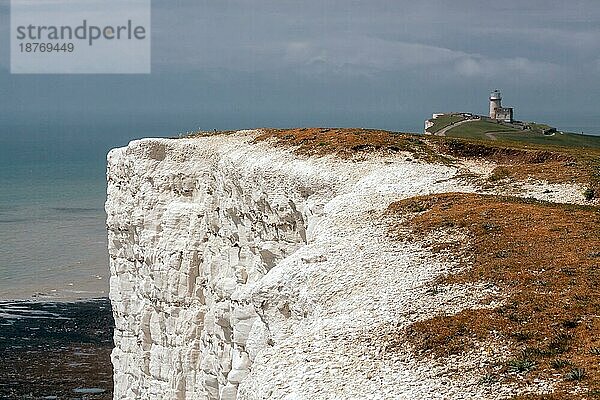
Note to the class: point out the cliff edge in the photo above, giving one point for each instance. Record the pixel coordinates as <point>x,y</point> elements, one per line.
<point>282,265</point>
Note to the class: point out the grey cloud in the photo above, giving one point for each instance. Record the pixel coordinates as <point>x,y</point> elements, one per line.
<point>240,63</point>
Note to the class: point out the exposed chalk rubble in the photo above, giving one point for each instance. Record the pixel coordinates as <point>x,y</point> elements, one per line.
<point>242,271</point>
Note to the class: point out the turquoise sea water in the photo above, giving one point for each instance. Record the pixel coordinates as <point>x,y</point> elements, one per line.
<point>52,228</point>
<point>52,220</point>
<point>52,192</point>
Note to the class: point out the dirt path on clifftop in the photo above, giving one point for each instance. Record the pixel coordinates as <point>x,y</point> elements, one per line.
<point>442,132</point>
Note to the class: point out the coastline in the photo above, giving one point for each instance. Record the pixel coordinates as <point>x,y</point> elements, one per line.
<point>56,349</point>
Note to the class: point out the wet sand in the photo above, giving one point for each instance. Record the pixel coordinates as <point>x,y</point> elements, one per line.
<point>56,350</point>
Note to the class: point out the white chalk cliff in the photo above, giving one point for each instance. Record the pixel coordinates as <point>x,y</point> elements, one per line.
<point>240,270</point>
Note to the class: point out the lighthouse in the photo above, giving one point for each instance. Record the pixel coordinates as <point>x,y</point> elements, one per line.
<point>498,112</point>
<point>495,103</point>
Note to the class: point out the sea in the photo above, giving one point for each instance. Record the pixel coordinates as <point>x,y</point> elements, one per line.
<point>52,230</point>
<point>53,241</point>
<point>52,224</point>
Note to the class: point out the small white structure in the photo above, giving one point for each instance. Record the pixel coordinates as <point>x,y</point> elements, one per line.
<point>497,111</point>
<point>429,123</point>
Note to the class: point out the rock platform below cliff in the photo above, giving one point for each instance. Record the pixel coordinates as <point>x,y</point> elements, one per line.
<point>56,350</point>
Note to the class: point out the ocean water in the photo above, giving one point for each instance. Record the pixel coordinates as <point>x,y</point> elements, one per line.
<point>53,240</point>
<point>52,229</point>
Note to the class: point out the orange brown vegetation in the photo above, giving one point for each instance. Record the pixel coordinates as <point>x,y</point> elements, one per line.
<point>546,259</point>
<point>553,164</point>
<point>346,142</point>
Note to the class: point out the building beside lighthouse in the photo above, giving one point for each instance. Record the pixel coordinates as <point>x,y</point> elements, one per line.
<point>498,112</point>
<point>440,123</point>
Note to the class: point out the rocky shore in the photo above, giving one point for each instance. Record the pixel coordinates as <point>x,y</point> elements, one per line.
<point>56,350</point>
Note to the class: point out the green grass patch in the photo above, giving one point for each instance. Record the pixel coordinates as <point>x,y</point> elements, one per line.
<point>558,139</point>
<point>443,121</point>
<point>539,128</point>
<point>504,133</point>
<point>478,128</point>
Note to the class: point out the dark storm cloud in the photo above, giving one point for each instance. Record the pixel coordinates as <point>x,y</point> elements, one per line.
<point>470,37</point>
<point>388,64</point>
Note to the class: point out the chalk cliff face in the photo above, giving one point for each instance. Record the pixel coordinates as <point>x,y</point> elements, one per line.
<point>240,270</point>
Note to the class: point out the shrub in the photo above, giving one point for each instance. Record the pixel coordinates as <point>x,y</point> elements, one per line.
<point>576,374</point>
<point>521,365</point>
<point>499,174</point>
<point>559,363</point>
<point>589,194</point>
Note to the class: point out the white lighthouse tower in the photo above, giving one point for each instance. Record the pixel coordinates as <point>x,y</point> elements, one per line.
<point>495,103</point>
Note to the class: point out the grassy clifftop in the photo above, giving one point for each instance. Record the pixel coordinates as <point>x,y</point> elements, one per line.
<point>532,133</point>
<point>444,121</point>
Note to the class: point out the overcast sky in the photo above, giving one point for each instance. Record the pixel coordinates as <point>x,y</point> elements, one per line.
<point>383,64</point>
